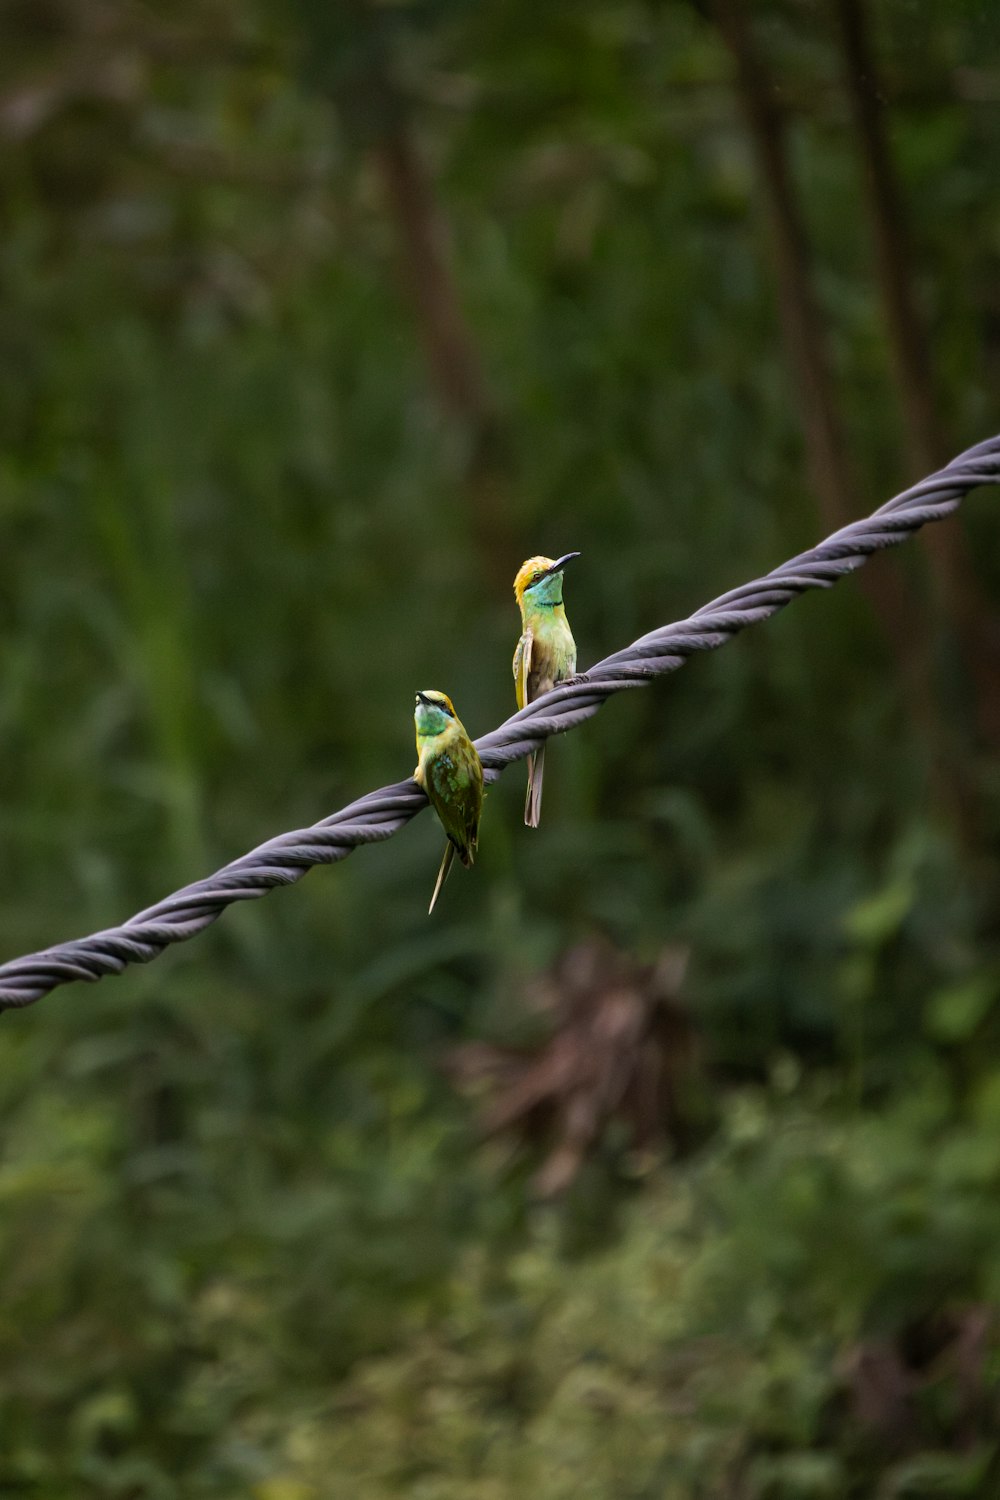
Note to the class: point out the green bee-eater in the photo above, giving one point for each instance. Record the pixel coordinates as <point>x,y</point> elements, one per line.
<point>546,652</point>
<point>451,773</point>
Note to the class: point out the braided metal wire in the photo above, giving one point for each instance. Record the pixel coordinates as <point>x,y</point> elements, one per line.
<point>285,859</point>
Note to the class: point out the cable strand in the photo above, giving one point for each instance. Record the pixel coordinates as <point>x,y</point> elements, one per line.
<point>376,817</point>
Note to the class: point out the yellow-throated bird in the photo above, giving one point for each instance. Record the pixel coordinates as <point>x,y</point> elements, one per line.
<point>451,773</point>
<point>546,652</point>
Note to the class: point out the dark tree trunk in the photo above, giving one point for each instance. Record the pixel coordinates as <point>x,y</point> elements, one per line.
<point>356,36</point>
<point>801,325</point>
<point>425,263</point>
<point>805,344</point>
<point>453,360</point>
<point>907,343</point>
<point>975,624</point>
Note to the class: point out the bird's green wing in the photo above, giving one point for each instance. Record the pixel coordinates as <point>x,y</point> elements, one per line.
<point>522,667</point>
<point>455,787</point>
<point>473,802</point>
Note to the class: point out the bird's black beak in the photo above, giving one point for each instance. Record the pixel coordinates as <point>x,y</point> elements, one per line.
<point>422,699</point>
<point>560,563</point>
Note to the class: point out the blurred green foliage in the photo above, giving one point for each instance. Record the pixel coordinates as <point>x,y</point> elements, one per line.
<point>248,1242</point>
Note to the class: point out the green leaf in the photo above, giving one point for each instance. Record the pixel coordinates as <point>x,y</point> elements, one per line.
<point>879,917</point>
<point>955,1013</point>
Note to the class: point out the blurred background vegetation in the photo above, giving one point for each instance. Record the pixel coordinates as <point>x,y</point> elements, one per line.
<point>664,1161</point>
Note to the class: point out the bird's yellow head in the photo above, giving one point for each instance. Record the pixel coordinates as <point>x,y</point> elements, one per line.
<point>539,581</point>
<point>434,712</point>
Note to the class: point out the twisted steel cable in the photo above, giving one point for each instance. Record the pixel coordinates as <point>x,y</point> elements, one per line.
<point>285,859</point>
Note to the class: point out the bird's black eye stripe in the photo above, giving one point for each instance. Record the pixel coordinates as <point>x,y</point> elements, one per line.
<point>436,703</point>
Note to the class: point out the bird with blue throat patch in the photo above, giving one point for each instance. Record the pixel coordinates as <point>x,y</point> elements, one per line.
<point>450,772</point>
<point>545,655</point>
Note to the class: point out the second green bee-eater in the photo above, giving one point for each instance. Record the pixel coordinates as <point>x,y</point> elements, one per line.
<point>451,773</point>
<point>546,652</point>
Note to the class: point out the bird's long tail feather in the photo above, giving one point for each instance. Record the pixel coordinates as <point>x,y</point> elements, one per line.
<point>449,855</point>
<point>533,799</point>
